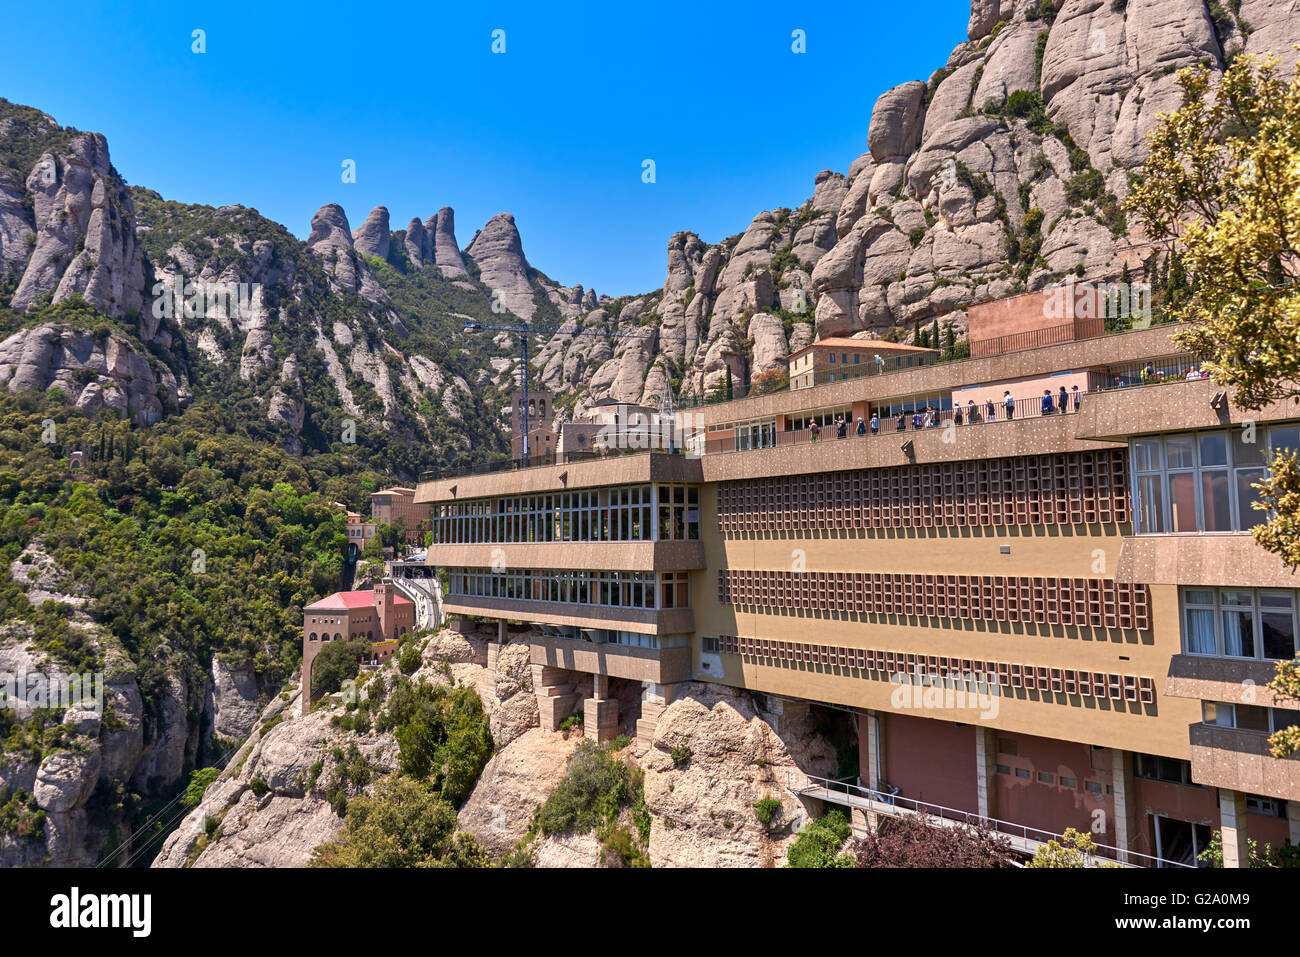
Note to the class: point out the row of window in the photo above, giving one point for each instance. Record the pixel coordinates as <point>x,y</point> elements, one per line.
<point>624,514</point>
<point>1240,622</point>
<point>1202,481</point>
<point>614,589</point>
<point>1248,717</point>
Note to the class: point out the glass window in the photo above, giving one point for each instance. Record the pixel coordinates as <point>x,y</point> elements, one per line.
<point>1277,625</point>
<point>1180,452</point>
<point>1214,448</point>
<point>1249,717</point>
<point>1182,501</point>
<point>1248,516</point>
<point>1150,504</point>
<point>1238,624</point>
<point>1146,455</point>
<point>1286,437</point>
<point>1216,497</point>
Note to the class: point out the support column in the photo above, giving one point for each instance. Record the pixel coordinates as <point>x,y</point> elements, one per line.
<point>600,712</point>
<point>1232,827</point>
<point>1126,808</point>
<point>557,695</point>
<point>986,756</point>
<point>875,761</point>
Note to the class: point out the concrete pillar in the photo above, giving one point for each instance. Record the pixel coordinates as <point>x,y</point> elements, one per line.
<point>1126,808</point>
<point>1232,827</point>
<point>557,695</point>
<point>501,631</point>
<point>875,761</point>
<point>875,752</point>
<point>1293,819</point>
<point>600,716</point>
<point>986,756</point>
<point>600,686</point>
<point>654,698</point>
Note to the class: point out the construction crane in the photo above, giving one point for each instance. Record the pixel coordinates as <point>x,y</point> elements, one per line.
<point>523,329</point>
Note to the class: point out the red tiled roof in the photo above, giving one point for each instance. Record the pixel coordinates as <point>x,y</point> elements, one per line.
<point>347,600</point>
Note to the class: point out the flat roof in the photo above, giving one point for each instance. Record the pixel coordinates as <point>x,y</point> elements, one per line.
<point>839,342</point>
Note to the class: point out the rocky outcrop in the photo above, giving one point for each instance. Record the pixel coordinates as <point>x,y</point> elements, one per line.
<point>92,373</point>
<point>417,243</point>
<point>372,237</point>
<point>84,226</point>
<point>519,777</point>
<point>446,254</point>
<point>331,241</point>
<point>499,253</point>
<point>232,699</point>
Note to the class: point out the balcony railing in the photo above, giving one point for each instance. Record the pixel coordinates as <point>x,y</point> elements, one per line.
<point>538,461</point>
<point>1023,837</point>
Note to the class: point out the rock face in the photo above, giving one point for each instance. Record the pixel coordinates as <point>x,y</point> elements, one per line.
<point>446,254</point>
<point>517,779</point>
<point>738,755</point>
<point>499,253</point>
<point>83,222</point>
<point>93,373</point>
<point>331,240</point>
<point>372,236</point>
<point>232,700</point>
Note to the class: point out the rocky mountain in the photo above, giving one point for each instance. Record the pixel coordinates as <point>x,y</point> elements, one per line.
<point>1000,172</point>
<point>701,812</point>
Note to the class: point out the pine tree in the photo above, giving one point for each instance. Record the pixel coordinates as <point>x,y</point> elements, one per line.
<point>916,332</point>
<point>948,342</point>
<point>934,334</point>
<point>729,386</point>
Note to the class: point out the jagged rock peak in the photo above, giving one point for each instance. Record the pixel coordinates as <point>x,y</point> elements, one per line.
<point>417,243</point>
<point>446,252</point>
<point>499,252</point>
<point>329,227</point>
<point>372,237</point>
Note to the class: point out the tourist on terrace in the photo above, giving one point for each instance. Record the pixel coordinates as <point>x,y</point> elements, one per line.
<point>841,428</point>
<point>956,413</point>
<point>1010,403</point>
<point>862,426</point>
<point>815,431</point>
<point>918,420</point>
<point>990,410</point>
<point>1048,407</point>
<point>1063,401</point>
<point>1078,397</point>
<point>875,424</point>
<point>972,414</point>
<point>902,422</point>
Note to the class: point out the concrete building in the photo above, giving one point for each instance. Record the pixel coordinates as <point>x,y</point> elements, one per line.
<point>1049,620</point>
<point>389,504</point>
<point>835,359</point>
<point>380,616</point>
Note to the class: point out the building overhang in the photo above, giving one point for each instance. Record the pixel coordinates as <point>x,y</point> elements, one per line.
<point>660,665</point>
<point>645,621</point>
<point>1201,560</point>
<point>1212,678</point>
<point>1117,415</point>
<point>1240,760</point>
<point>631,468</point>
<point>624,556</point>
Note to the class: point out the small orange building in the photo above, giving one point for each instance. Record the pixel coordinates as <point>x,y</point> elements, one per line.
<point>380,616</point>
<point>835,360</point>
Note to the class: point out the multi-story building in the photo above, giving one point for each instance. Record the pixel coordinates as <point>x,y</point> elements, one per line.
<point>380,616</point>
<point>389,504</point>
<point>541,434</point>
<point>1050,619</point>
<point>837,359</point>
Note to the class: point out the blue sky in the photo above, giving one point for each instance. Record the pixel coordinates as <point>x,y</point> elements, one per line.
<point>554,130</point>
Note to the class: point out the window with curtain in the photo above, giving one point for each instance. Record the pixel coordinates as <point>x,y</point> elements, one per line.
<point>1240,622</point>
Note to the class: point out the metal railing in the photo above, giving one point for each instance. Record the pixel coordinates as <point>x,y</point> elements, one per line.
<point>832,787</point>
<point>539,461</point>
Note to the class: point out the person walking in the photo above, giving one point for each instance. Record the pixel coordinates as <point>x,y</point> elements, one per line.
<point>875,424</point>
<point>990,410</point>
<point>956,413</point>
<point>972,414</point>
<point>841,428</point>
<point>1078,397</point>
<point>862,426</point>
<point>918,420</point>
<point>1063,401</point>
<point>1048,407</point>
<point>902,422</point>
<point>815,431</point>
<point>1010,403</point>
